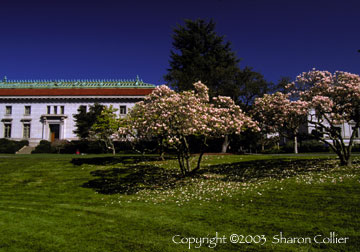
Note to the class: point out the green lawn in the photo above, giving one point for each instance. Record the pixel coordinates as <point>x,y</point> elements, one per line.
<point>130,203</point>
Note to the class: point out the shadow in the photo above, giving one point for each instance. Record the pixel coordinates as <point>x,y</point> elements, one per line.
<point>132,179</point>
<point>275,168</point>
<point>115,160</point>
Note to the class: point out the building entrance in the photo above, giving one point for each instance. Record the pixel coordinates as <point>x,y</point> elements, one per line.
<point>54,132</point>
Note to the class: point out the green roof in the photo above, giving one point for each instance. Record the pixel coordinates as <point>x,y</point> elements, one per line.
<point>112,83</point>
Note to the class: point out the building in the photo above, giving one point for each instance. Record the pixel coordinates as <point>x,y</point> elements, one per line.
<point>345,129</point>
<point>38,110</point>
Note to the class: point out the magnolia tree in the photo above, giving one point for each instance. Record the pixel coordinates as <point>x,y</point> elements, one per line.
<point>276,113</point>
<point>174,117</point>
<point>328,101</point>
<point>333,99</point>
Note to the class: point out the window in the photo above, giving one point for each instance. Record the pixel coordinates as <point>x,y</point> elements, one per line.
<point>8,110</point>
<point>356,133</point>
<point>122,110</point>
<point>48,110</point>
<point>62,110</point>
<point>55,110</point>
<point>26,132</point>
<point>27,110</point>
<point>7,130</point>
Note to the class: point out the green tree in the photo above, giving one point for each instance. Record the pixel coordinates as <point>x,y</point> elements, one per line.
<point>249,86</point>
<point>84,120</point>
<point>106,128</point>
<point>281,86</point>
<point>201,55</point>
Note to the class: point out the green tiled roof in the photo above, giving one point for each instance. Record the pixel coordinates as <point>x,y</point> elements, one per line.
<point>112,83</point>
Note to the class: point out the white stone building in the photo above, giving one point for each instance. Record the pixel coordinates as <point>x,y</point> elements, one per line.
<point>346,129</point>
<point>44,110</point>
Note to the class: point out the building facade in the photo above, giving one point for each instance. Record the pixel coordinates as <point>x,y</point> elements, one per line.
<point>346,129</point>
<point>44,110</point>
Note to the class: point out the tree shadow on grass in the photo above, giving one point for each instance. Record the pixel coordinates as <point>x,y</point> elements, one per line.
<point>132,179</point>
<point>115,160</point>
<point>273,168</point>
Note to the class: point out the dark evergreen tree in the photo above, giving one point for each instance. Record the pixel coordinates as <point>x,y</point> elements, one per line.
<point>200,54</point>
<point>249,85</point>
<point>281,85</point>
<point>84,120</point>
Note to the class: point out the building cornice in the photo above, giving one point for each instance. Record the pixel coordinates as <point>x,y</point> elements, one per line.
<point>71,97</point>
<point>76,92</point>
<point>69,84</point>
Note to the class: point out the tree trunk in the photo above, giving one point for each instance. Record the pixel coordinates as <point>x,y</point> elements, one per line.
<point>345,158</point>
<point>225,144</point>
<point>295,145</point>
<point>181,164</point>
<point>112,146</point>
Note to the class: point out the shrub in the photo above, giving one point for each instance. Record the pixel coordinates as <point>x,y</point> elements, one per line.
<point>83,146</point>
<point>356,148</point>
<point>59,145</point>
<point>313,146</point>
<point>11,146</point>
<point>274,150</point>
<point>306,146</point>
<point>44,147</point>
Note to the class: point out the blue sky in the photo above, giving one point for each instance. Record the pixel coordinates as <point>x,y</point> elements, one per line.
<point>120,39</point>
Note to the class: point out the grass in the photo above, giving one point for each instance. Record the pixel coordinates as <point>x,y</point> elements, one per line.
<point>131,203</point>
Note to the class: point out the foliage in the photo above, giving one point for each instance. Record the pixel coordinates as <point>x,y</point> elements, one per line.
<point>84,147</point>
<point>10,146</point>
<point>200,54</point>
<point>59,145</point>
<point>333,99</point>
<point>175,117</point>
<point>282,85</point>
<point>328,100</point>
<point>313,146</point>
<point>249,86</point>
<point>277,113</point>
<point>44,147</point>
<point>356,148</point>
<point>105,127</point>
<point>85,119</point>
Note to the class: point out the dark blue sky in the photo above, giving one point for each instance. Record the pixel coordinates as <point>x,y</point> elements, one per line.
<point>120,39</point>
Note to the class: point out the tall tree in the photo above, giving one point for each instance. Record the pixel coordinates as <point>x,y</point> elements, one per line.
<point>249,86</point>
<point>84,120</point>
<point>201,55</point>
<point>281,86</point>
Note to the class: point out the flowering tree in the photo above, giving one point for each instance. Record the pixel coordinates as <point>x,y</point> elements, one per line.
<point>329,100</point>
<point>174,117</point>
<point>276,113</point>
<point>333,99</point>
<point>106,128</point>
